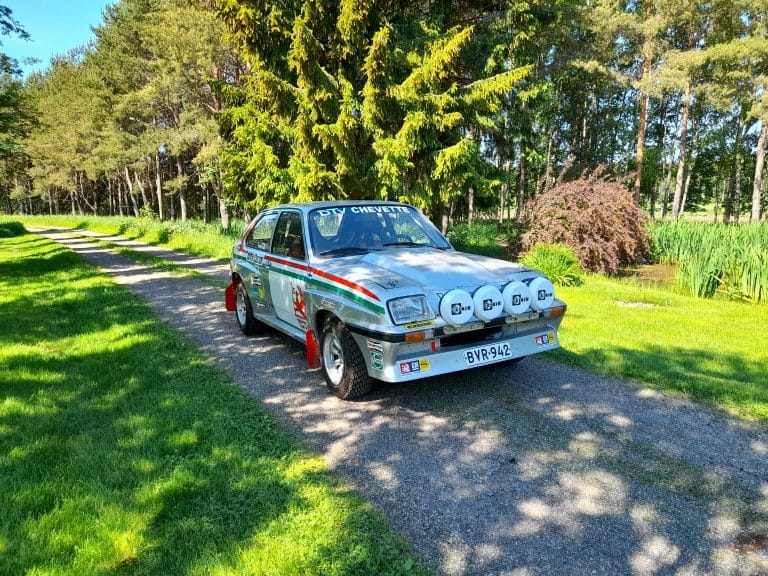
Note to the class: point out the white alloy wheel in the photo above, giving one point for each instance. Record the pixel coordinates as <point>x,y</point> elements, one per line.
<point>333,358</point>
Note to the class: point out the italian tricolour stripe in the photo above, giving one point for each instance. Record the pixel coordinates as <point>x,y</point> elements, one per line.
<point>329,282</point>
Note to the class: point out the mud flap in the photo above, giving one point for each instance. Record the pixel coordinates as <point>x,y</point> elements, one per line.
<point>230,296</point>
<point>313,350</point>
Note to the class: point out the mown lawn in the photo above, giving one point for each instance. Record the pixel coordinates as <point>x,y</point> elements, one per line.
<point>122,451</point>
<point>708,350</point>
<point>711,351</point>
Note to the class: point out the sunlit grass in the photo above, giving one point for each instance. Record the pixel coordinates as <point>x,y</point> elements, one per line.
<point>193,236</point>
<point>122,451</point>
<point>708,350</point>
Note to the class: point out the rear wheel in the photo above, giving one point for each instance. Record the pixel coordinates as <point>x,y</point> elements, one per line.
<point>343,364</point>
<point>244,312</point>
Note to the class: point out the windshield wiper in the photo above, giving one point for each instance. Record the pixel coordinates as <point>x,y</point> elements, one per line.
<point>416,244</point>
<point>405,244</point>
<point>345,251</point>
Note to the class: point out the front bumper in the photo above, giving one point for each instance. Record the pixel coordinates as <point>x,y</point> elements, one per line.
<point>401,362</point>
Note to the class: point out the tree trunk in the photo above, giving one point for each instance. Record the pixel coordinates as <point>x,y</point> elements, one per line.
<point>642,120</point>
<point>111,197</point>
<point>81,188</point>
<point>470,205</point>
<point>207,204</point>
<point>223,213</point>
<point>130,186</point>
<point>680,180</point>
<point>737,185</point>
<point>182,189</point>
<point>139,182</point>
<point>690,166</point>
<point>521,184</point>
<point>548,169</point>
<point>733,198</point>
<point>757,183</point>
<point>159,187</point>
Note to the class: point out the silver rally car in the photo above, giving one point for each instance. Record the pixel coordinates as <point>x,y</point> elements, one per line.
<point>376,292</point>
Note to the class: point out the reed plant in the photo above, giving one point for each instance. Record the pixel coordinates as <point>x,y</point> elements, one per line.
<point>713,258</point>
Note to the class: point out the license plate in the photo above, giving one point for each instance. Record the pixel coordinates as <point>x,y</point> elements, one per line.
<point>489,353</point>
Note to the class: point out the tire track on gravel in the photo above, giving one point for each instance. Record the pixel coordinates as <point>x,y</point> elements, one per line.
<point>516,470</point>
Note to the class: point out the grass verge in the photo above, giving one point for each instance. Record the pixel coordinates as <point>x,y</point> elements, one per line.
<point>707,350</point>
<point>193,236</point>
<point>122,451</point>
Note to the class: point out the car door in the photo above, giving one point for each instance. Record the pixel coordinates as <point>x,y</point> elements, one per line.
<point>255,272</point>
<point>288,269</point>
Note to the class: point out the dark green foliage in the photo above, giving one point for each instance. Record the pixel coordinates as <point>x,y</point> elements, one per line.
<point>595,216</point>
<point>478,238</point>
<point>10,229</point>
<point>363,100</point>
<point>558,262</point>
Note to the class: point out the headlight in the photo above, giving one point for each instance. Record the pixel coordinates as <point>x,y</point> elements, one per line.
<point>410,309</point>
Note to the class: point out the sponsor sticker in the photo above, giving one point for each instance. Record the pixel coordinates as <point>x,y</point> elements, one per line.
<point>299,306</point>
<point>458,309</point>
<point>412,366</point>
<point>377,361</point>
<point>422,324</point>
<point>365,210</point>
<point>545,339</point>
<point>374,345</point>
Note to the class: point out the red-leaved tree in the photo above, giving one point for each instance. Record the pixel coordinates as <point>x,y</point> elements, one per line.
<point>595,216</point>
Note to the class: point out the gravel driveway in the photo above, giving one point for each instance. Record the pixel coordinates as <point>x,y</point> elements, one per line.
<point>531,469</point>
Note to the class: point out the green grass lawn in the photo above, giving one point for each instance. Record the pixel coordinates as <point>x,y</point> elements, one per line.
<point>122,451</point>
<point>709,350</point>
<point>192,237</point>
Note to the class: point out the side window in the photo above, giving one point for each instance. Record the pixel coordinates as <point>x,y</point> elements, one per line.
<point>289,240</point>
<point>261,234</point>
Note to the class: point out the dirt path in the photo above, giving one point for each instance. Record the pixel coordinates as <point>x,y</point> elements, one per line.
<point>533,469</point>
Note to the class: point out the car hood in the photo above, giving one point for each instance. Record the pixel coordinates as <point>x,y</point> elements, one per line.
<point>436,269</point>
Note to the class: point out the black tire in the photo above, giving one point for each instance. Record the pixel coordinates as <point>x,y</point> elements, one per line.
<point>342,362</point>
<point>244,312</point>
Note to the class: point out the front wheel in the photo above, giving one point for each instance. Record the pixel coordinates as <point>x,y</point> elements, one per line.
<point>343,364</point>
<point>244,311</point>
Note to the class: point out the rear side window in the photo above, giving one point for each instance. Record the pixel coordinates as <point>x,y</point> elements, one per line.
<point>260,236</point>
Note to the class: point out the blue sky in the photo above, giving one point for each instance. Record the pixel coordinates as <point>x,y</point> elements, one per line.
<point>55,26</point>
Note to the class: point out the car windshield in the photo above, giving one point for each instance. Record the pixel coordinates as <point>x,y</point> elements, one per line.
<point>345,230</point>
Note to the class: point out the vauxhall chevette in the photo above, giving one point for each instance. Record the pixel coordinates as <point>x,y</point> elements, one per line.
<point>375,292</point>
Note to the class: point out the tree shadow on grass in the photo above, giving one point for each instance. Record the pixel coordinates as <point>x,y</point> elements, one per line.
<point>123,452</point>
<point>723,381</point>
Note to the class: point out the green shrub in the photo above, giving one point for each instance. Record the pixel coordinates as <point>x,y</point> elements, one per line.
<point>558,262</point>
<point>11,229</point>
<point>479,238</point>
<point>476,234</point>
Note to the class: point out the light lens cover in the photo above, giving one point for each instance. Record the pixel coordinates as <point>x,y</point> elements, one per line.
<point>410,309</point>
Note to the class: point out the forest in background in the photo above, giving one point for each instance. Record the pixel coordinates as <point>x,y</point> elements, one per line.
<point>202,109</point>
